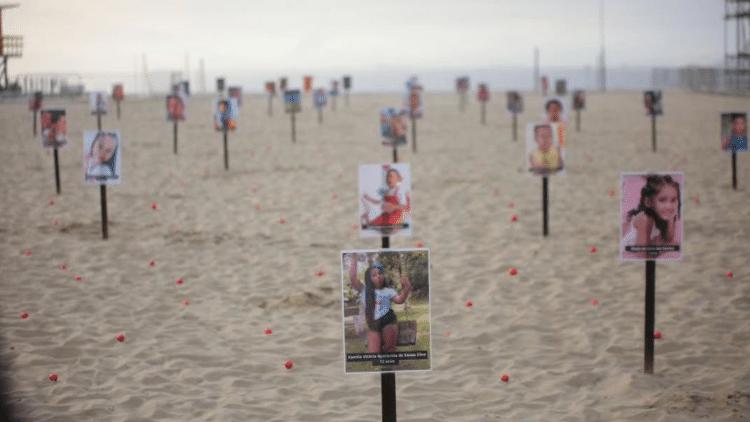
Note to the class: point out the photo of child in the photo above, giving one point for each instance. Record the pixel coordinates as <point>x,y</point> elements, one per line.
<point>734,132</point>
<point>378,336</point>
<point>176,104</point>
<point>385,200</point>
<point>347,82</point>
<point>320,99</point>
<point>483,93</point>
<point>292,101</point>
<point>35,101</point>
<point>307,82</point>
<point>236,93</point>
<point>561,87</point>
<point>579,100</point>
<point>462,85</point>
<point>393,126</point>
<point>226,114</point>
<point>555,113</point>
<point>515,102</point>
<point>102,160</point>
<point>118,93</point>
<point>544,154</point>
<point>545,85</point>
<point>270,89</point>
<point>54,129</point>
<point>98,103</point>
<point>334,89</point>
<point>219,84</point>
<point>413,98</point>
<point>652,102</point>
<point>651,216</point>
<point>282,83</point>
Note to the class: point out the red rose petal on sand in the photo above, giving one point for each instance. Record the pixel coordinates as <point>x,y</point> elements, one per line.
<point>254,189</point>
<point>513,218</point>
<point>730,274</point>
<point>268,331</point>
<point>505,378</point>
<point>512,205</point>
<point>51,202</point>
<point>257,207</point>
<point>186,302</point>
<point>657,335</point>
<point>592,250</point>
<point>120,338</point>
<point>153,206</point>
<point>54,222</point>
<point>182,184</point>
<point>594,302</point>
<point>447,333</point>
<point>63,267</point>
<point>513,271</point>
<point>53,377</point>
<point>288,364</point>
<point>252,153</point>
<point>176,229</point>
<point>419,245</point>
<point>354,227</point>
<point>612,192</point>
<point>78,278</point>
<point>697,201</point>
<point>496,192</point>
<point>179,282</point>
<point>152,263</point>
<point>469,304</point>
<point>281,221</point>
<point>334,196</point>
<point>319,273</point>
<point>24,315</point>
<point>27,252</point>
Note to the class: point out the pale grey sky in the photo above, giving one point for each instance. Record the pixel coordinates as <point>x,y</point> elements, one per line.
<point>335,35</point>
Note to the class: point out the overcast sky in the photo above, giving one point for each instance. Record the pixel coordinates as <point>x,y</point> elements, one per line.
<point>335,35</point>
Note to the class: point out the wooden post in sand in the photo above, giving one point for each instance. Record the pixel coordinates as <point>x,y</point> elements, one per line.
<point>57,171</point>
<point>648,348</point>
<point>413,134</point>
<point>175,136</point>
<point>545,224</point>
<point>734,170</point>
<point>515,126</point>
<point>653,132</point>
<point>388,379</point>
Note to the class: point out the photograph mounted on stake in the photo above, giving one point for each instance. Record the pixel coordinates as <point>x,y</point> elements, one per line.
<point>385,200</point>
<point>386,310</point>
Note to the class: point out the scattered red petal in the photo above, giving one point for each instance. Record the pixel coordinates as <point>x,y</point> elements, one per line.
<point>281,221</point>
<point>513,218</point>
<point>179,282</point>
<point>51,202</point>
<point>505,378</point>
<point>120,338</point>
<point>447,333</point>
<point>612,192</point>
<point>469,304</point>
<point>252,153</point>
<point>182,184</point>
<point>592,250</point>
<point>27,252</point>
<point>63,267</point>
<point>176,229</point>
<point>594,302</point>
<point>334,196</point>
<point>319,273</point>
<point>513,271</point>
<point>512,205</point>
<point>288,364</point>
<point>419,245</point>
<point>657,335</point>
<point>268,331</point>
<point>78,278</point>
<point>257,207</point>
<point>24,315</point>
<point>152,263</point>
<point>496,192</point>
<point>186,302</point>
<point>53,377</point>
<point>730,274</point>
<point>254,189</point>
<point>153,206</point>
<point>54,222</point>
<point>354,227</point>
<point>697,201</point>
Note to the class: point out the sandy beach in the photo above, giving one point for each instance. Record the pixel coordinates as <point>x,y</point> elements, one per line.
<point>198,351</point>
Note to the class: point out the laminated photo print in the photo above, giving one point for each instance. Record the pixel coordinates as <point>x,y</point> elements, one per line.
<point>347,82</point>
<point>308,81</point>
<point>734,132</point>
<point>226,114</point>
<point>462,85</point>
<point>102,158</point>
<point>270,89</point>
<point>386,310</point>
<point>98,103</point>
<point>652,102</point>
<point>220,84</point>
<point>334,89</point>
<point>186,88</point>
<point>320,98</point>
<point>393,126</point>
<point>385,200</point>
<point>651,216</point>
<point>413,98</point>
<point>515,102</point>
<point>176,104</point>
<point>561,87</point>
<point>554,112</point>
<point>483,93</point>
<point>35,101</point>
<point>293,101</point>
<point>579,100</point>
<point>545,85</point>
<point>117,92</point>
<point>544,155</point>
<point>282,84</point>
<point>236,93</point>
<point>54,129</point>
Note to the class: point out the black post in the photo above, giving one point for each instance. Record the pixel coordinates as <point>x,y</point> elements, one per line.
<point>648,337</point>
<point>99,122</point>
<point>175,136</point>
<point>395,153</point>
<point>413,134</point>
<point>294,134</point>
<point>578,120</point>
<point>57,172</point>
<point>515,126</point>
<point>226,152</point>
<point>103,198</point>
<point>118,109</point>
<point>483,112</point>
<point>388,394</point>
<point>544,206</point>
<point>653,131</point>
<point>734,170</point>
<point>34,113</point>
<point>320,115</point>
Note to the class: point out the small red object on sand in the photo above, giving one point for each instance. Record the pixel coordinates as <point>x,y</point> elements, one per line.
<point>419,245</point>
<point>63,267</point>
<point>513,271</point>
<point>152,263</point>
<point>268,331</point>
<point>27,252</point>
<point>78,277</point>
<point>612,192</point>
<point>513,218</point>
<point>179,282</point>
<point>334,196</point>
<point>657,335</point>
<point>505,378</point>
<point>288,364</point>
<point>120,338</point>
<point>469,304</point>
<point>447,333</point>
<point>697,201</point>
<point>54,222</point>
<point>153,206</point>
<point>594,302</point>
<point>319,273</point>
<point>512,205</point>
<point>51,202</point>
<point>53,377</point>
<point>185,302</point>
<point>24,315</point>
<point>281,220</point>
<point>730,274</point>
<point>592,250</point>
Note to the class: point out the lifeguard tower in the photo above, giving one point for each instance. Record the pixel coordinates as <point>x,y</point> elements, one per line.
<point>10,46</point>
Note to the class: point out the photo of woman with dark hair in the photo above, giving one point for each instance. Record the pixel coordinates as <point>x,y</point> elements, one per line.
<point>101,159</point>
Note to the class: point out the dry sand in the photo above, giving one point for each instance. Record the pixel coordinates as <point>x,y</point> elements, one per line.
<point>243,271</point>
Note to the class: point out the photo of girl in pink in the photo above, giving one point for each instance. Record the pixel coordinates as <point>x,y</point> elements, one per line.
<point>651,210</point>
<point>385,200</point>
<point>54,129</point>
